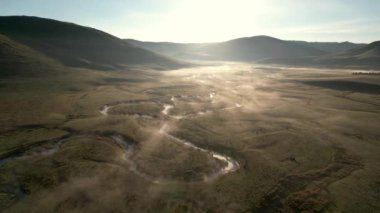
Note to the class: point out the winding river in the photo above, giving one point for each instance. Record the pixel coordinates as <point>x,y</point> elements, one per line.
<point>231,164</point>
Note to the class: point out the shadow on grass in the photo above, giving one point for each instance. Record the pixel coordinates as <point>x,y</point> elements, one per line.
<point>351,86</point>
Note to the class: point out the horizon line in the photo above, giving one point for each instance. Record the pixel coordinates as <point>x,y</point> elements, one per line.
<point>185,42</point>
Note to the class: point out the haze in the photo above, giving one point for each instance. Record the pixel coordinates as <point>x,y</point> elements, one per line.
<point>214,20</point>
<point>97,115</point>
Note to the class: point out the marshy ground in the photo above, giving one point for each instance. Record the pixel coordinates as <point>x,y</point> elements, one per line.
<point>227,137</point>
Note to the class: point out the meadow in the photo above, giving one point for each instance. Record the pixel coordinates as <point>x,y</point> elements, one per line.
<point>222,137</point>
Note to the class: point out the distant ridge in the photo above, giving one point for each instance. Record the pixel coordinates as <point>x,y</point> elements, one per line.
<point>259,47</point>
<point>79,46</point>
<point>367,57</point>
<point>175,50</point>
<point>269,50</point>
<point>246,49</point>
<point>331,47</point>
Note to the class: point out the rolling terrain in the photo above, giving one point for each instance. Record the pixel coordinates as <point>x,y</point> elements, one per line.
<point>331,47</point>
<point>176,50</point>
<point>268,50</point>
<point>200,50</point>
<point>272,139</point>
<point>242,49</point>
<point>17,59</point>
<point>79,46</point>
<point>121,135</point>
<point>259,47</point>
<point>366,58</point>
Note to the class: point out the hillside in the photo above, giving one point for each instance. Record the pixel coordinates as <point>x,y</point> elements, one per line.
<point>175,50</point>
<point>331,47</point>
<point>241,49</point>
<point>78,46</point>
<point>367,57</point>
<point>16,59</point>
<point>259,47</point>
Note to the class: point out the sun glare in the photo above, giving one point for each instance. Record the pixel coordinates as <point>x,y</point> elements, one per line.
<point>207,21</point>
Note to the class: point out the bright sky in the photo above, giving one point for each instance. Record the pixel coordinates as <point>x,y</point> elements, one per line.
<point>214,20</point>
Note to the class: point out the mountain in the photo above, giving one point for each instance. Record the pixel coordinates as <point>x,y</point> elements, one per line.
<point>367,57</point>
<point>17,59</point>
<point>78,46</point>
<point>242,49</point>
<point>259,47</point>
<point>175,50</point>
<point>331,47</point>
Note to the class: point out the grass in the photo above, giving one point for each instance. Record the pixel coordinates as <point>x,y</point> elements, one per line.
<point>25,138</point>
<point>288,137</point>
<point>347,86</point>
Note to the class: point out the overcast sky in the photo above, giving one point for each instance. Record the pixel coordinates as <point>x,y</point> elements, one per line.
<point>214,20</point>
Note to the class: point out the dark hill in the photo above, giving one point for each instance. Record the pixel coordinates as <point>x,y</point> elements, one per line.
<point>260,47</point>
<point>371,50</point>
<point>78,46</point>
<point>367,57</point>
<point>331,47</point>
<point>19,60</point>
<point>176,50</point>
<point>241,49</point>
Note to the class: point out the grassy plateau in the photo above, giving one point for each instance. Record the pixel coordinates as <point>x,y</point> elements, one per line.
<point>224,137</point>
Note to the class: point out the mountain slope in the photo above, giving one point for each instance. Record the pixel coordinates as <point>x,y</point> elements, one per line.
<point>241,49</point>
<point>331,47</point>
<point>17,59</point>
<point>176,50</point>
<point>367,57</point>
<point>78,46</point>
<point>260,47</point>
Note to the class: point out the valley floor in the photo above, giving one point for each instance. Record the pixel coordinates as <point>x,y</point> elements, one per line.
<point>227,137</point>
